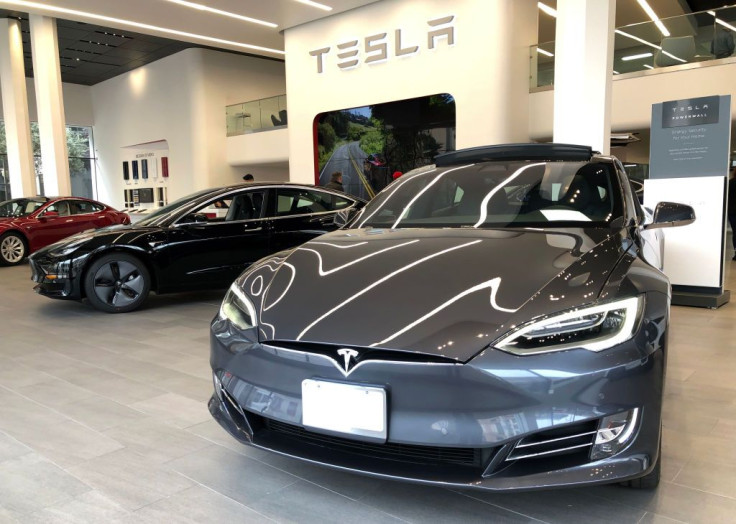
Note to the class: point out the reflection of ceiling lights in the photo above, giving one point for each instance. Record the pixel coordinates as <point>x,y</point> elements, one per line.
<point>719,21</point>
<point>649,11</point>
<point>655,46</point>
<point>636,57</point>
<point>543,52</point>
<point>315,4</point>
<point>201,7</point>
<point>546,9</point>
<point>648,66</point>
<point>122,21</point>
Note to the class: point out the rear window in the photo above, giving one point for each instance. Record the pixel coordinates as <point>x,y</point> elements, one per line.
<point>500,194</point>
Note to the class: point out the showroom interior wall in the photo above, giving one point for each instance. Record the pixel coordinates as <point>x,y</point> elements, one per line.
<point>634,94</point>
<point>486,70</point>
<point>180,99</point>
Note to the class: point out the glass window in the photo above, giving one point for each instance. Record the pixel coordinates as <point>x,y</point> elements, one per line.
<point>82,207</point>
<point>500,194</point>
<point>303,201</point>
<point>20,207</point>
<point>232,208</point>
<point>61,207</point>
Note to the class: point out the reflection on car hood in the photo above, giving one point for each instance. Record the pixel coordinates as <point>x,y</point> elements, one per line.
<point>448,292</point>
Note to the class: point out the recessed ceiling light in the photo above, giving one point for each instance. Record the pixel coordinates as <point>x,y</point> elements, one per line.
<point>201,7</point>
<point>636,57</point>
<point>546,9</point>
<point>315,4</point>
<point>175,32</point>
<point>649,11</point>
<point>543,52</point>
<point>655,46</point>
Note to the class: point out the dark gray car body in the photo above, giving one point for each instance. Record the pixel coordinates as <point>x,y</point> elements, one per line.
<point>422,307</point>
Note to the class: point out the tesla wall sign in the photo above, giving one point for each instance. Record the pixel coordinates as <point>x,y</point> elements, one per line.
<point>379,47</point>
<point>690,112</point>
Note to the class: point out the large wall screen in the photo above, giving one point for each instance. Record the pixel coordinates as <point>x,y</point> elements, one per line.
<point>372,145</point>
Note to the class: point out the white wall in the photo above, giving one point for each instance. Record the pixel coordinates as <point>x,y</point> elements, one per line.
<point>487,70</point>
<point>77,103</point>
<point>180,99</point>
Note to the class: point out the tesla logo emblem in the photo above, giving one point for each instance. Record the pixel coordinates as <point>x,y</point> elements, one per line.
<point>347,354</point>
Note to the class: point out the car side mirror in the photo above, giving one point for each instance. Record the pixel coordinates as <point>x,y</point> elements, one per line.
<point>344,216</point>
<point>49,214</point>
<point>671,214</point>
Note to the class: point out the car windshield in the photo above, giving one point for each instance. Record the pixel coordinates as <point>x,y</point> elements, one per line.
<point>160,215</point>
<point>500,194</point>
<point>20,207</point>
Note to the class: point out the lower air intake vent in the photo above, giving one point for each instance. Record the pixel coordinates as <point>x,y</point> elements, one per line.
<point>426,455</point>
<point>575,438</point>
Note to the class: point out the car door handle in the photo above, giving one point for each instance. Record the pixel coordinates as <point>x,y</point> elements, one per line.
<point>253,228</point>
<point>70,220</point>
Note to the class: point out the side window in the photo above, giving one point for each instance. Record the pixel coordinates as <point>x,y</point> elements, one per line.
<point>301,201</point>
<point>232,208</point>
<point>61,207</point>
<point>81,207</point>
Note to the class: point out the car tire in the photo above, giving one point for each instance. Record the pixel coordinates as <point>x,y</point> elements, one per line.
<point>651,479</point>
<point>117,283</point>
<point>13,249</point>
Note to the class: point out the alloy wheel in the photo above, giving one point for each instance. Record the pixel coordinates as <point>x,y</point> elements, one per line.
<point>118,283</point>
<point>12,249</point>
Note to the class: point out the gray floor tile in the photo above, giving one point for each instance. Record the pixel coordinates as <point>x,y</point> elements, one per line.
<point>100,413</point>
<point>236,476</point>
<point>155,440</point>
<point>129,479</point>
<point>11,448</point>
<point>91,507</point>
<point>198,505</point>
<point>306,502</point>
<point>174,409</point>
<point>30,483</point>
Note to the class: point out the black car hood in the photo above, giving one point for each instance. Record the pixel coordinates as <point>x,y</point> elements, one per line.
<point>446,292</point>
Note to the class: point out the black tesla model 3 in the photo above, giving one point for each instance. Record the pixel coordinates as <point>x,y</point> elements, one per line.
<point>492,323</point>
<point>203,241</point>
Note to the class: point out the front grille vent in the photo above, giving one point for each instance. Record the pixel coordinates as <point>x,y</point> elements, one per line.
<point>567,440</point>
<point>364,354</point>
<point>425,455</point>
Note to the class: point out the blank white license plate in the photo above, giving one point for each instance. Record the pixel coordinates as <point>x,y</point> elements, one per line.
<point>344,408</point>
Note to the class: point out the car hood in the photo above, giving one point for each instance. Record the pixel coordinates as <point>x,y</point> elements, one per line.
<point>446,292</point>
<point>115,234</point>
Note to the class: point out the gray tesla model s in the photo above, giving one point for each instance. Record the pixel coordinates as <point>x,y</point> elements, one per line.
<point>498,321</point>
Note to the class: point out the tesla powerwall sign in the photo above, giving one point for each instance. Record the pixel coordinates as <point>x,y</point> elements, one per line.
<point>688,163</point>
<point>380,47</point>
<point>690,138</point>
<point>690,112</point>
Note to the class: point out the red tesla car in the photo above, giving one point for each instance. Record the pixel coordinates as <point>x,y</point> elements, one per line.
<point>28,224</point>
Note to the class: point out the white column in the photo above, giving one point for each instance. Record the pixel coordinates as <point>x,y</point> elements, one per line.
<point>15,110</point>
<point>50,105</point>
<point>583,69</point>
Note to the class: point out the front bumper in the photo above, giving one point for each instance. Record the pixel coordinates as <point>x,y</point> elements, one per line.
<point>55,278</point>
<point>456,424</point>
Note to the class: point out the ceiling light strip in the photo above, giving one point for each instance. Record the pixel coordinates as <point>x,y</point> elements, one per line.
<point>636,57</point>
<point>201,7</point>
<point>315,4</point>
<point>547,9</point>
<point>543,52</point>
<point>721,22</point>
<point>650,12</point>
<point>93,16</point>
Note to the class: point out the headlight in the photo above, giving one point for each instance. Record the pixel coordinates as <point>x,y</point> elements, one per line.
<point>594,328</point>
<point>238,309</point>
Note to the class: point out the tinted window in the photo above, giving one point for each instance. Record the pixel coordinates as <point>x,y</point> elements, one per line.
<point>61,207</point>
<point>500,194</point>
<point>20,207</point>
<point>81,207</point>
<point>291,201</point>
<point>231,208</point>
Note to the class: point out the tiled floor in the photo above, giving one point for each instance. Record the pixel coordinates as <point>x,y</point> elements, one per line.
<point>103,419</point>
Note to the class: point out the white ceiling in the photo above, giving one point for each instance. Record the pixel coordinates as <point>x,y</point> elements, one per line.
<point>169,15</point>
